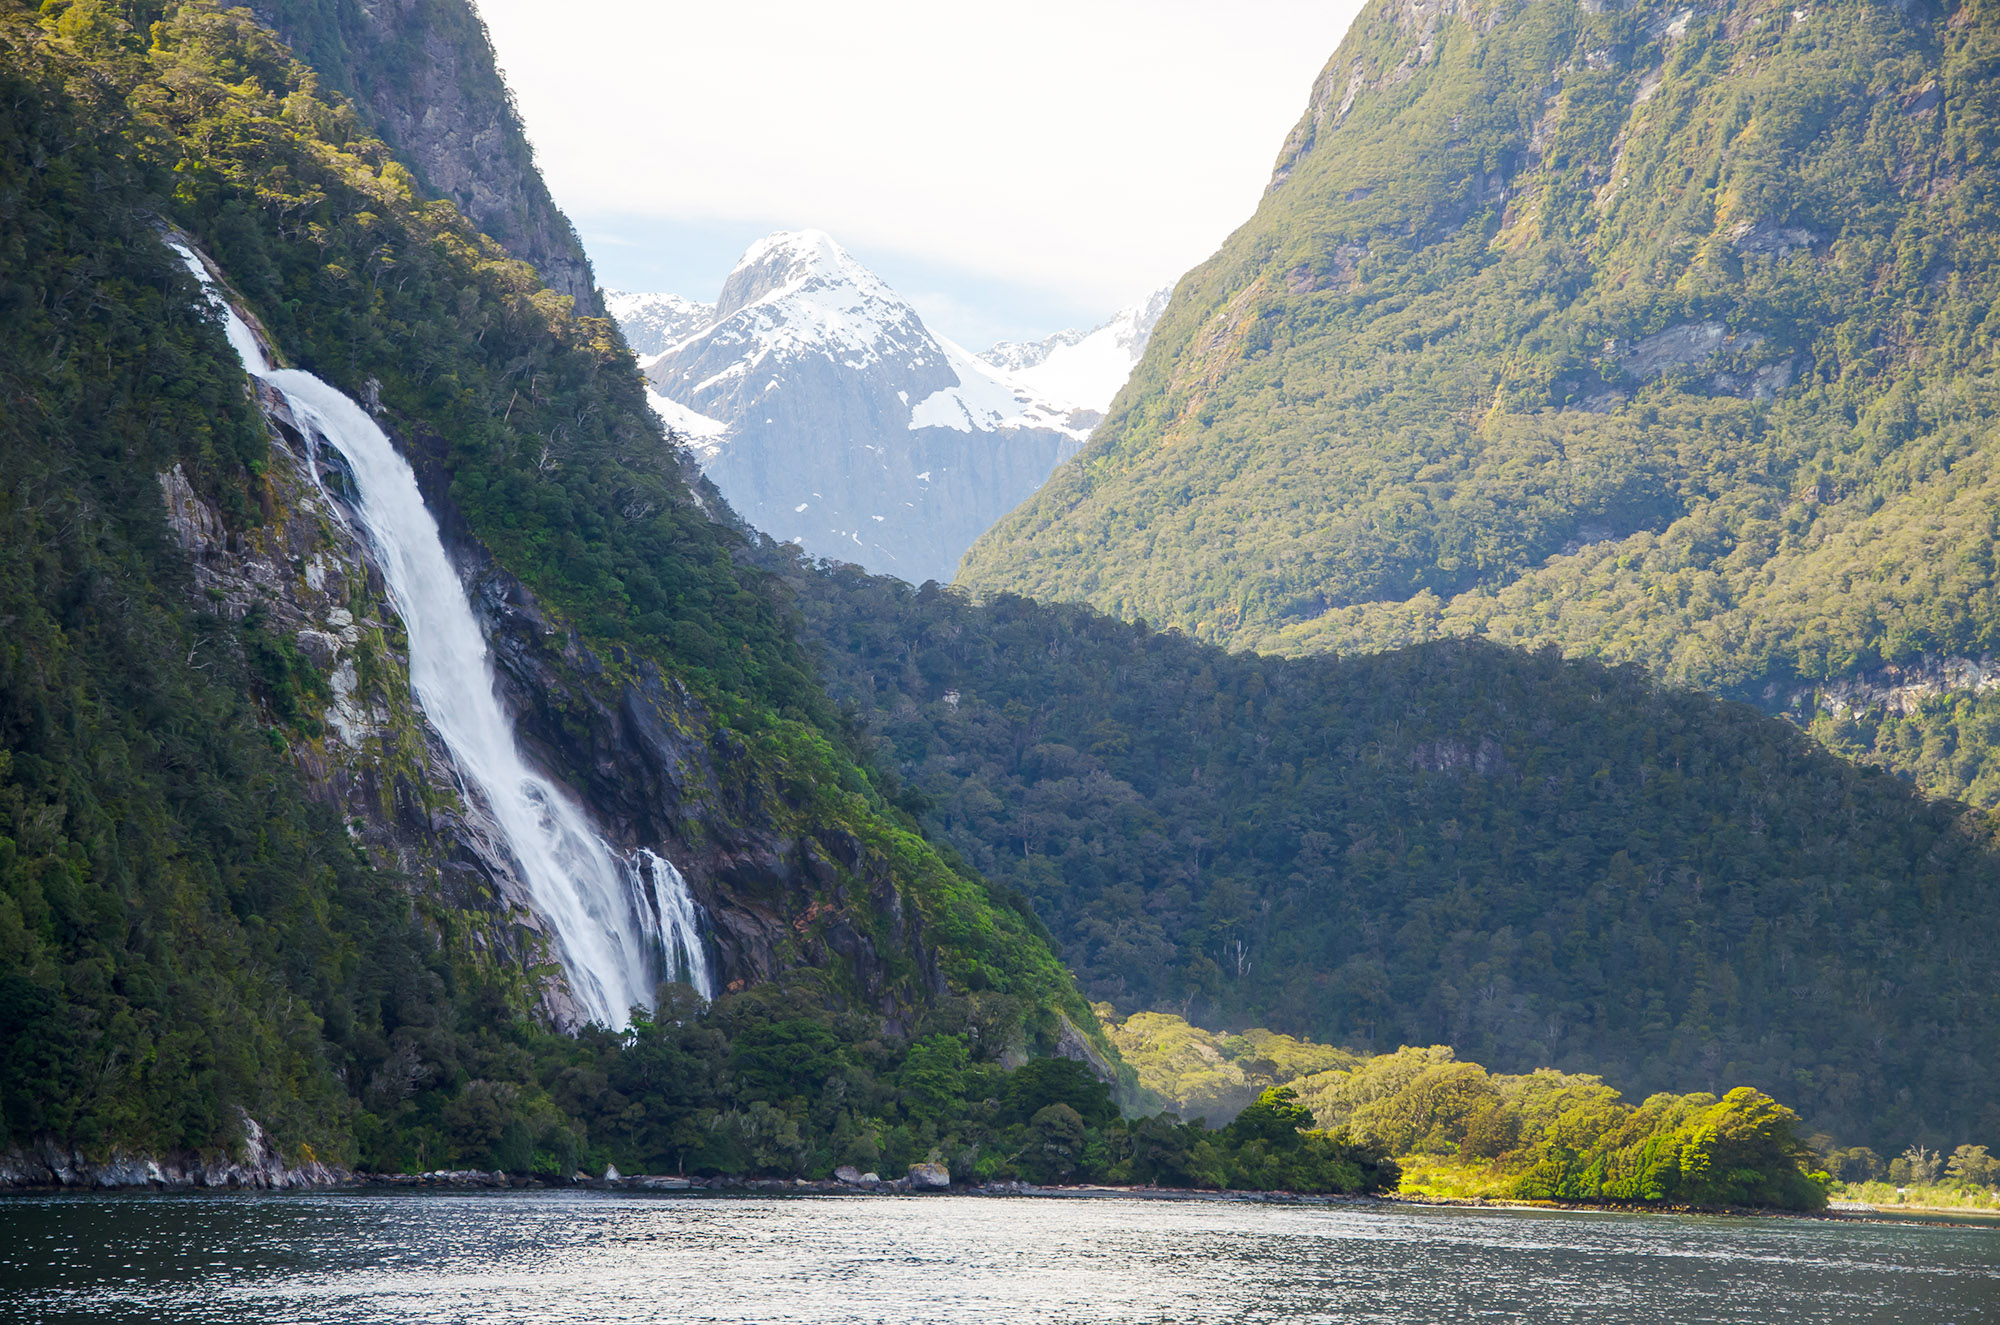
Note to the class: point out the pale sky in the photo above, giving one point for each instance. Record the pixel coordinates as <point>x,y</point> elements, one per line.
<point>1011,170</point>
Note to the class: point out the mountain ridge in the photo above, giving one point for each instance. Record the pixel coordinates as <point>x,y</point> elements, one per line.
<point>425,76</point>
<point>1086,368</point>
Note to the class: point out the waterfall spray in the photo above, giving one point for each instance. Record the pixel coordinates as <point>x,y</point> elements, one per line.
<point>621,924</point>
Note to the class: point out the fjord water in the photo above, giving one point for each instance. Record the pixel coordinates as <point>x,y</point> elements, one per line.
<point>613,1258</point>
<point>622,924</point>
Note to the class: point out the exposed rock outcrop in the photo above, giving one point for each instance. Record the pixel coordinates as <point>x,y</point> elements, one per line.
<point>255,1163</point>
<point>930,1178</point>
<point>1900,689</point>
<point>425,76</point>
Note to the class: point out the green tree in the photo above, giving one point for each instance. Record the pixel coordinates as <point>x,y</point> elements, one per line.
<point>933,1077</point>
<point>1055,1142</point>
<point>1046,1081</point>
<point>1973,1167</point>
<point>1276,1118</point>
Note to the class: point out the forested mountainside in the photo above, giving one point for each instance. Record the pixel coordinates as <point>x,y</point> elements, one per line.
<point>1539,862</point>
<point>234,883</point>
<point>422,76</point>
<point>1661,333</point>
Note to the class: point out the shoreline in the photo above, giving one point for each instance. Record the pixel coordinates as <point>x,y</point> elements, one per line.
<point>473,1180</point>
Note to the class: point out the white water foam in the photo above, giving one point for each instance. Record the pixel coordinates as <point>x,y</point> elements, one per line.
<point>621,924</point>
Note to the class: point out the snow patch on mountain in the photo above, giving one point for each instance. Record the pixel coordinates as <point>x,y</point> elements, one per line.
<point>1085,368</point>
<point>651,322</point>
<point>1011,356</point>
<point>988,400</point>
<point>698,430</point>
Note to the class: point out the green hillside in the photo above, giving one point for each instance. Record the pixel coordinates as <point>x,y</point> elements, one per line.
<point>1539,862</point>
<point>187,928</point>
<point>1664,336</point>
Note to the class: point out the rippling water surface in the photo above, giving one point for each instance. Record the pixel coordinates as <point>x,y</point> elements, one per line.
<point>602,1257</point>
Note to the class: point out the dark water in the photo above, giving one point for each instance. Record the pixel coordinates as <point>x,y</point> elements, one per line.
<point>591,1257</point>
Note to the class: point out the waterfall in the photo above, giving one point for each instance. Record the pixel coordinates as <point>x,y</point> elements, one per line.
<point>621,924</point>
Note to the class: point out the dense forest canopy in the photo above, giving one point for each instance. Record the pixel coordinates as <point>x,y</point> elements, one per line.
<point>1540,862</point>
<point>1665,336</point>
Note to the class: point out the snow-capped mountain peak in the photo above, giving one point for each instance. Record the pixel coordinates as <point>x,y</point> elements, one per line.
<point>781,264</point>
<point>828,413</point>
<point>795,297</point>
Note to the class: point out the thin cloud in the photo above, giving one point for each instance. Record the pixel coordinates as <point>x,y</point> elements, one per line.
<point>1088,148</point>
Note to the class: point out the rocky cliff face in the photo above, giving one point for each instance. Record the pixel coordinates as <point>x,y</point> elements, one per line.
<point>830,415</point>
<point>423,73</point>
<point>309,578</point>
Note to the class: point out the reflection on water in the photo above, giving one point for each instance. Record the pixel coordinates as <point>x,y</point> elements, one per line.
<point>599,1257</point>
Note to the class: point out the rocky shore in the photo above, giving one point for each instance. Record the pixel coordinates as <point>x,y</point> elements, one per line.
<point>49,1167</point>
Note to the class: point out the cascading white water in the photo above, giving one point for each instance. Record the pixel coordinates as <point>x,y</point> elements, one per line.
<point>621,924</point>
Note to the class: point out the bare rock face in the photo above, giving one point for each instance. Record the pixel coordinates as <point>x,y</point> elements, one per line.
<point>1071,1043</point>
<point>424,76</point>
<point>930,1178</point>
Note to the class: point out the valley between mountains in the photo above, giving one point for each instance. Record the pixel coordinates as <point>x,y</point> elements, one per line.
<point>1481,689</point>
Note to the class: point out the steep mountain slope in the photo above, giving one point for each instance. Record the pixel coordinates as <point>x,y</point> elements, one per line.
<point>423,76</point>
<point>1663,334</point>
<point>1538,862</point>
<point>235,883</point>
<point>1085,367</point>
<point>827,413</point>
